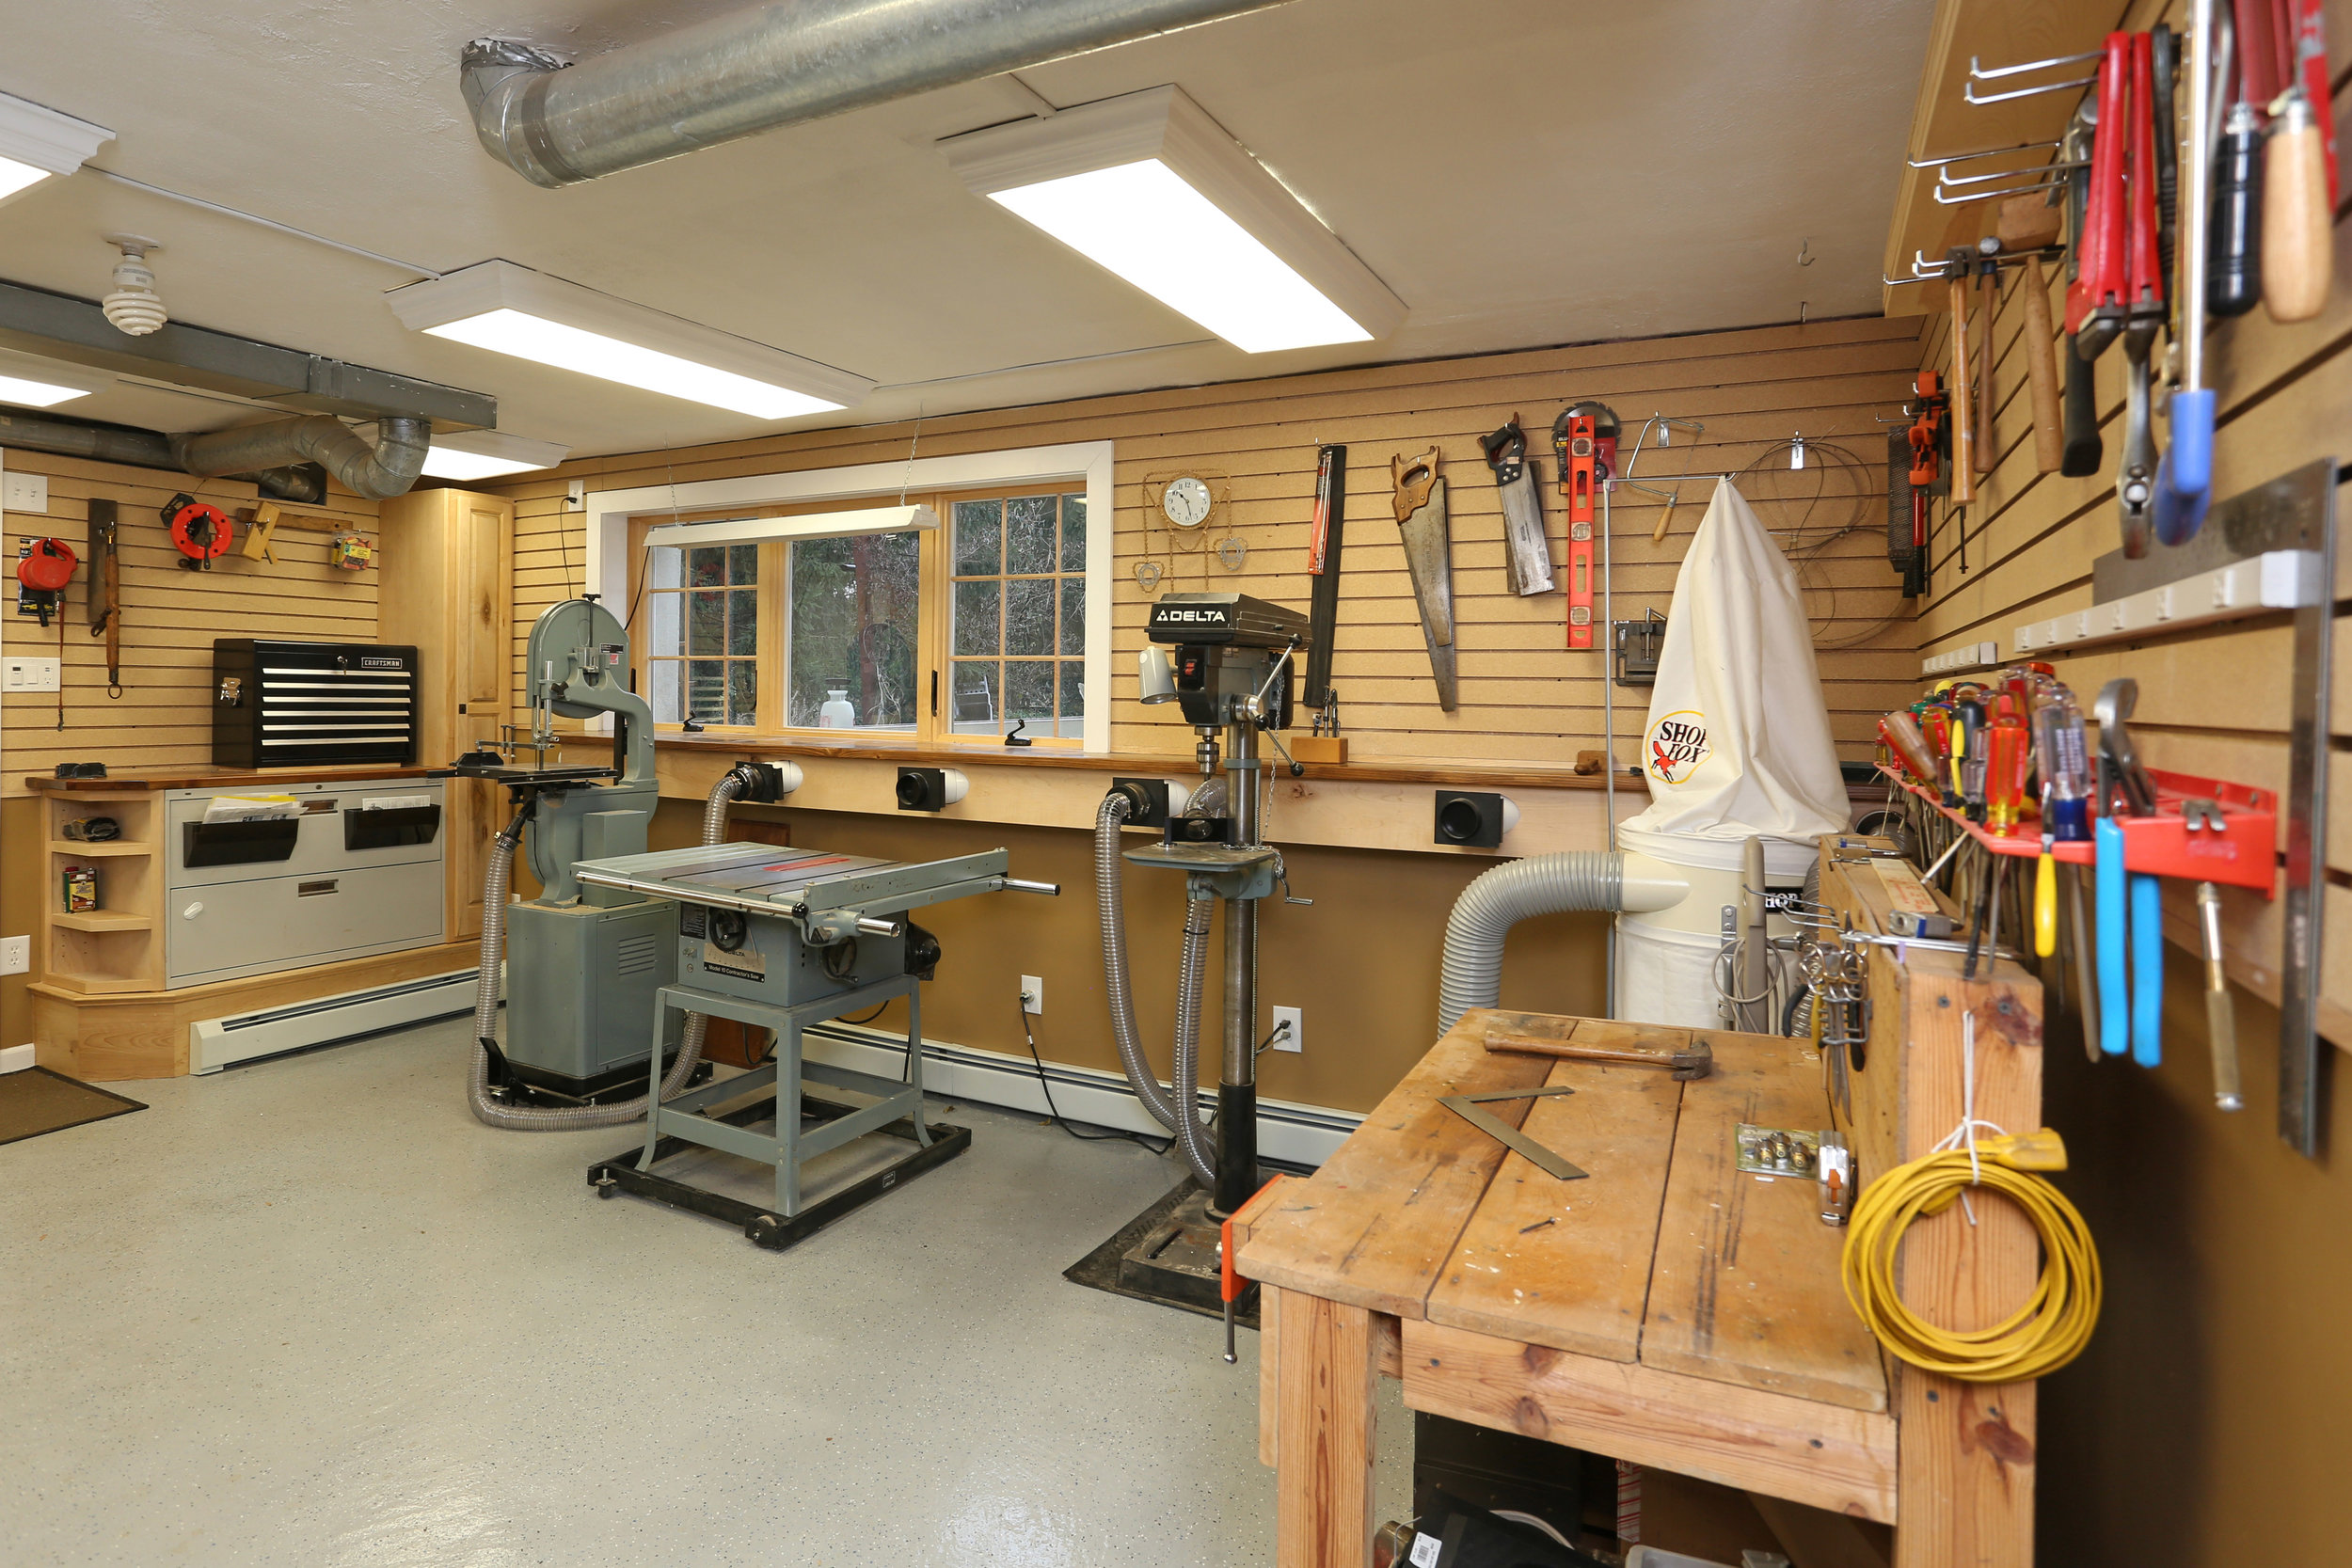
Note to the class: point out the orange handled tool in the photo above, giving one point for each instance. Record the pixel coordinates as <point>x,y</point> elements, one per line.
<point>1230,1283</point>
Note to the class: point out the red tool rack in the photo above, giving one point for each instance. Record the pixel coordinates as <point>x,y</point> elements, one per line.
<point>2242,852</point>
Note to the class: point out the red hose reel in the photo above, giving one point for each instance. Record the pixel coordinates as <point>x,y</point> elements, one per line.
<point>200,529</point>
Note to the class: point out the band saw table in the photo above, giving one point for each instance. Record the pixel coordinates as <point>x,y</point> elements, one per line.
<point>781,938</point>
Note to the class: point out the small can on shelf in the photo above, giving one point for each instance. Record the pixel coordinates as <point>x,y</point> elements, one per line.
<point>81,889</point>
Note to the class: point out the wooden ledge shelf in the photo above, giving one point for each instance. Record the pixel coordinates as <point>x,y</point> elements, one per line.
<point>101,920</point>
<point>107,847</point>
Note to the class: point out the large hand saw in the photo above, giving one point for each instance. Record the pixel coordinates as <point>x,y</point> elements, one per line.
<point>1421,517</point>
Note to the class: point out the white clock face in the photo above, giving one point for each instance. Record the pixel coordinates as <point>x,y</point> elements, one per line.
<point>1185,501</point>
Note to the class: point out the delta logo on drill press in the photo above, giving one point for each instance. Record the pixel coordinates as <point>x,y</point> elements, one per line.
<point>1678,744</point>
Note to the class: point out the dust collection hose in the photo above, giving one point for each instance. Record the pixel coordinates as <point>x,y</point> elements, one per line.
<point>1176,1112</point>
<point>565,1118</point>
<point>1498,899</point>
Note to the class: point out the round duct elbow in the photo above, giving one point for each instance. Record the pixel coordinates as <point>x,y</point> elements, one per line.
<point>379,471</point>
<point>1500,899</point>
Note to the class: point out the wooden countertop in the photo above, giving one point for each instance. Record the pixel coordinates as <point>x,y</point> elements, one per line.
<point>1436,770</point>
<point>1665,1255</point>
<point>214,778</point>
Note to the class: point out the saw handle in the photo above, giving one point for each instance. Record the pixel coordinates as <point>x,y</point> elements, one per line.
<point>1413,478</point>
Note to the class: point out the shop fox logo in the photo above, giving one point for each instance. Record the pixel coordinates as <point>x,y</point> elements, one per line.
<point>1678,744</point>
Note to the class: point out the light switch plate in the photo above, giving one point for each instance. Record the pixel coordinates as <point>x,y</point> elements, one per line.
<point>16,955</point>
<point>19,673</point>
<point>1296,1038</point>
<point>24,492</point>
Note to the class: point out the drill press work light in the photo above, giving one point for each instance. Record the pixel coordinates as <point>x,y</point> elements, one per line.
<point>1150,187</point>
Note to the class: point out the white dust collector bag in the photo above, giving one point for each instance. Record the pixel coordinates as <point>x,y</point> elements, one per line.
<point>1737,741</point>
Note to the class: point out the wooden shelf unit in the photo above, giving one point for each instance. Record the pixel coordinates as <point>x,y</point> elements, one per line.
<point>117,946</point>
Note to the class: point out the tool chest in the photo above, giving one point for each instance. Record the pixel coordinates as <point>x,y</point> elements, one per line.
<point>284,704</point>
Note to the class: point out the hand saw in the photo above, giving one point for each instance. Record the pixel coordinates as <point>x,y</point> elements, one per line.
<point>1421,518</point>
<point>1526,550</point>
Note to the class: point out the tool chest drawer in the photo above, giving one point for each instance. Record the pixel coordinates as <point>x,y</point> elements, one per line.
<point>332,833</point>
<point>220,930</point>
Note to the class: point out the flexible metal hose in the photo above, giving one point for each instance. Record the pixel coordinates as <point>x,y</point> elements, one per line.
<point>1109,868</point>
<point>1192,1134</point>
<point>1500,899</point>
<point>565,1118</point>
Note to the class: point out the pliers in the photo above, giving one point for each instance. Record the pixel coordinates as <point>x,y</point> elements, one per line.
<point>2118,291</point>
<point>2131,910</point>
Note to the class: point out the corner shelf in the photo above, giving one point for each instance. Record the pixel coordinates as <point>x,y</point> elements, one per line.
<point>101,920</point>
<point>108,846</point>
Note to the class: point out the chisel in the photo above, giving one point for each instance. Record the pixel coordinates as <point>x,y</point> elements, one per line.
<point>2221,1016</point>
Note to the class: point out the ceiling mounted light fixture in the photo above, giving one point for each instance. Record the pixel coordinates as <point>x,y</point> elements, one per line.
<point>35,383</point>
<point>1151,188</point>
<point>36,143</point>
<point>133,304</point>
<point>487,453</point>
<point>511,309</point>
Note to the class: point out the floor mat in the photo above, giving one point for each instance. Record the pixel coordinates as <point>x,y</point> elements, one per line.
<point>37,1100</point>
<point>1099,1270</point>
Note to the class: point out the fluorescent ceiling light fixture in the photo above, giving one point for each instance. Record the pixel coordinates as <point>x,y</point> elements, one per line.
<point>32,382</point>
<point>1151,188</point>
<point>512,309</point>
<point>813,524</point>
<point>36,143</point>
<point>487,453</point>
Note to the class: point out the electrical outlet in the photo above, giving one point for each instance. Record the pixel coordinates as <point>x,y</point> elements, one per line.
<point>1296,1038</point>
<point>24,492</point>
<point>1032,994</point>
<point>28,674</point>
<point>16,955</point>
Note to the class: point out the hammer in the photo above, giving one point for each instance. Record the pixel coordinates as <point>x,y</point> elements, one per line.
<point>1696,1061</point>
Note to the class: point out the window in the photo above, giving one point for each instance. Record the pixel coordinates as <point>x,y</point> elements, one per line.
<point>1018,608</point>
<point>962,632</point>
<point>702,634</point>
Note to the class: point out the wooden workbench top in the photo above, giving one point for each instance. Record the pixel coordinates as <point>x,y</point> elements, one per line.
<point>1665,1254</point>
<point>216,778</point>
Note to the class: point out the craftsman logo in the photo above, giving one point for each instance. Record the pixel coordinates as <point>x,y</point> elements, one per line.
<point>1678,744</point>
<point>377,661</point>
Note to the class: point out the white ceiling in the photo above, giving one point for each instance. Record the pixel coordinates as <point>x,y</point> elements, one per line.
<point>1521,172</point>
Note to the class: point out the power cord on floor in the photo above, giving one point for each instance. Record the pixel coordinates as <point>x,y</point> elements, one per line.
<point>1054,1110</point>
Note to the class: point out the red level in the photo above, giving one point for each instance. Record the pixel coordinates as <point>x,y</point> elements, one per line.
<point>1578,480</point>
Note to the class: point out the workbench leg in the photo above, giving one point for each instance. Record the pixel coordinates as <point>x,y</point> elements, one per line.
<point>1270,1362</point>
<point>1965,1469</point>
<point>1322,1484</point>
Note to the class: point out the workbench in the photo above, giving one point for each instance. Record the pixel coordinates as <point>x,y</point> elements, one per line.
<point>1674,1311</point>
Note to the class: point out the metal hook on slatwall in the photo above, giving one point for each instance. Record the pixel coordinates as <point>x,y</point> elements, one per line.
<point>1947,179</point>
<point>1977,72</point>
<point>1988,153</point>
<point>1970,94</point>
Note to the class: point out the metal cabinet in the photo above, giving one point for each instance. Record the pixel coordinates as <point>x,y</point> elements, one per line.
<point>335,881</point>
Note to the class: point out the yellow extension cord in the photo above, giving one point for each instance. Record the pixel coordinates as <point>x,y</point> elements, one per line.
<point>2045,1334</point>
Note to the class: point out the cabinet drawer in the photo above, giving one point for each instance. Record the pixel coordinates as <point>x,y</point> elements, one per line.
<point>224,930</point>
<point>319,840</point>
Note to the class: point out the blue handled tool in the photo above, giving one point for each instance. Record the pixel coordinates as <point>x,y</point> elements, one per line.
<point>2139,928</point>
<point>2115,1018</point>
<point>2185,478</point>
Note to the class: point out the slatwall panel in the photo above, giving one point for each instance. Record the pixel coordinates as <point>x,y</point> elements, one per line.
<point>1524,698</point>
<point>169,616</point>
<point>2212,702</point>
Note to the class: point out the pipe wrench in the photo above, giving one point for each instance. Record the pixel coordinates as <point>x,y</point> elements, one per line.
<point>2131,911</point>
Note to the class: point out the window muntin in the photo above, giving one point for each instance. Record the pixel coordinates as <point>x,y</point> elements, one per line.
<point>1016,630</point>
<point>703,634</point>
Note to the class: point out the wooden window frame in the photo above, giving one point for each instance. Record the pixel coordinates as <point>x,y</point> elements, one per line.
<point>933,724</point>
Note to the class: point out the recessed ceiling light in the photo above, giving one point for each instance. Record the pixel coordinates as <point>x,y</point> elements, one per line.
<point>1151,188</point>
<point>487,453</point>
<point>36,143</point>
<point>44,383</point>
<point>512,309</point>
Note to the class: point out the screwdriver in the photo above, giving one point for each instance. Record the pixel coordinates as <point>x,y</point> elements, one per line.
<point>1904,738</point>
<point>2004,766</point>
<point>2220,1017</point>
<point>2063,755</point>
<point>1968,754</point>
<point>2046,886</point>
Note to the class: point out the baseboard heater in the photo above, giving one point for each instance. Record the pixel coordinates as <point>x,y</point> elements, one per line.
<point>1300,1134</point>
<point>214,1043</point>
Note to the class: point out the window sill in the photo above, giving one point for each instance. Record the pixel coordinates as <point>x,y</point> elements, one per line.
<point>1439,771</point>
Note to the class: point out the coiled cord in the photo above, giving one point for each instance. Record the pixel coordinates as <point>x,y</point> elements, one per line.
<point>2046,1333</point>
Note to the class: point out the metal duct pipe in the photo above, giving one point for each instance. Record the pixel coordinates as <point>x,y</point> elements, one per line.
<point>379,472</point>
<point>773,66</point>
<point>140,449</point>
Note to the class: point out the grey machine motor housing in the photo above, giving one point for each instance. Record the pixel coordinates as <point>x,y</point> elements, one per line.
<point>580,982</point>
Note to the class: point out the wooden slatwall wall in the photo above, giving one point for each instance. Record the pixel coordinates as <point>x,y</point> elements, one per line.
<point>169,616</point>
<point>2212,702</point>
<point>1524,698</point>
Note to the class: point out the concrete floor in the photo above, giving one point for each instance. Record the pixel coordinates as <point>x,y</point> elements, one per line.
<point>310,1312</point>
